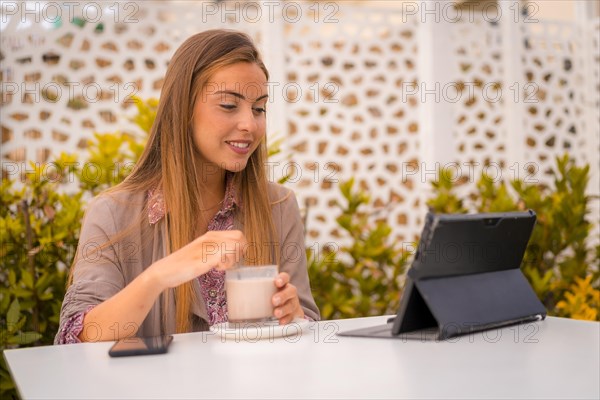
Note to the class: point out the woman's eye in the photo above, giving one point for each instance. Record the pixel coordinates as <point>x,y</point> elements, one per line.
<point>261,110</point>
<point>228,106</point>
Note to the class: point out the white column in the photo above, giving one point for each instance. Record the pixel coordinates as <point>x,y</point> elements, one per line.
<point>585,14</point>
<point>437,68</point>
<point>273,52</point>
<point>512,87</point>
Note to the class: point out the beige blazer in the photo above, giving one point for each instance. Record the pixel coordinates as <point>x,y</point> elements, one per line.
<point>99,274</point>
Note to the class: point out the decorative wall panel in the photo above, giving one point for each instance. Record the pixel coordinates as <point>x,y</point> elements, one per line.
<point>479,130</point>
<point>354,118</point>
<point>554,101</point>
<point>63,80</point>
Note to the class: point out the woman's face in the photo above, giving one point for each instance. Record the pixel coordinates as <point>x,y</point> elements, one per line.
<point>229,116</point>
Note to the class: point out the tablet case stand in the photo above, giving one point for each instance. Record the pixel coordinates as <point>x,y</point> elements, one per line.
<point>465,277</point>
<point>446,303</point>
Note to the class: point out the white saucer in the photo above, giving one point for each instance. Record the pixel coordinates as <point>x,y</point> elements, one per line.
<point>253,332</point>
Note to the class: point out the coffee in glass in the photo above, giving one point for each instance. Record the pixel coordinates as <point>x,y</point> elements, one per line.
<point>249,293</point>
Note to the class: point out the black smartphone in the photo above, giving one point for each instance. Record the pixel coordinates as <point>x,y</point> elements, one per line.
<point>137,346</point>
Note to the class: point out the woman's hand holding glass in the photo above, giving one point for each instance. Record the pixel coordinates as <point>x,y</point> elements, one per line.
<point>221,250</point>
<point>286,301</point>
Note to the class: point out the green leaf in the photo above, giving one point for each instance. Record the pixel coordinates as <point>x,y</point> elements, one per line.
<point>25,338</point>
<point>12,277</point>
<point>45,296</point>
<point>14,312</point>
<point>22,293</point>
<point>43,282</point>
<point>346,187</point>
<point>27,279</point>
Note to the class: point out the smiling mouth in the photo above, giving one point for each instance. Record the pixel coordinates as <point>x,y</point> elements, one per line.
<point>239,145</point>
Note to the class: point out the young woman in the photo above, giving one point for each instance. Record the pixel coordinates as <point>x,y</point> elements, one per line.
<point>153,250</point>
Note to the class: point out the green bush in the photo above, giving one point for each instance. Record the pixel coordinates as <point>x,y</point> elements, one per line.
<point>40,226</point>
<point>363,278</point>
<point>560,263</point>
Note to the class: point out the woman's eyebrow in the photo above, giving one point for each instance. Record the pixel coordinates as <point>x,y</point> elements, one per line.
<point>239,95</point>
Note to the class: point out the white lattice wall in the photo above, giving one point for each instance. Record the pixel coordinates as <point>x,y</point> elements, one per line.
<point>562,111</point>
<point>342,95</point>
<point>479,133</point>
<point>555,106</point>
<point>62,83</point>
<point>367,127</point>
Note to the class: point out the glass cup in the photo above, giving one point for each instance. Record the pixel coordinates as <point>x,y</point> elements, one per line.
<point>250,292</point>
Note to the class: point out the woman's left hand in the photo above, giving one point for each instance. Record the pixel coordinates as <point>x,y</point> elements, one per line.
<point>286,301</point>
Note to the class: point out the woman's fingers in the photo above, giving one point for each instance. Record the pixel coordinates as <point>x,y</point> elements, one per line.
<point>222,249</point>
<point>282,279</point>
<point>215,249</point>
<point>286,301</point>
<point>286,308</point>
<point>284,293</point>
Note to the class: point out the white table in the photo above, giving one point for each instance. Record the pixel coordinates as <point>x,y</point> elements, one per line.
<point>555,358</point>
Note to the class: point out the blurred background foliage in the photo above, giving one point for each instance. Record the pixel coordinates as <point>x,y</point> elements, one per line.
<point>361,279</point>
<point>40,228</point>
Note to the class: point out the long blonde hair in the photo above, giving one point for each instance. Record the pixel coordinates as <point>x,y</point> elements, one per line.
<point>169,159</point>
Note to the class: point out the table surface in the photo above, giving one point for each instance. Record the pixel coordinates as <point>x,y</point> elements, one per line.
<point>555,358</point>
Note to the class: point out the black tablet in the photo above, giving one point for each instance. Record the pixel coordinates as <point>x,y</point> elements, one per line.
<point>465,277</point>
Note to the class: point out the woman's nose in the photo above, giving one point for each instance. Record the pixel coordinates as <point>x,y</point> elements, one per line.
<point>247,120</point>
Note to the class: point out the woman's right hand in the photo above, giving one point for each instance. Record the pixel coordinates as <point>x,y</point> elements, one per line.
<point>214,249</point>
